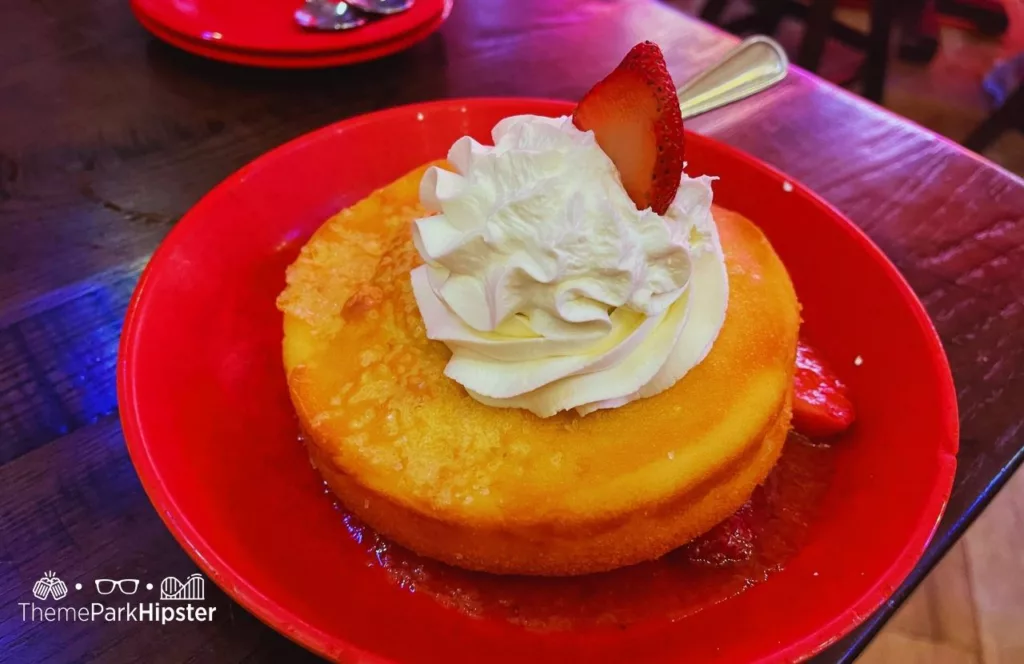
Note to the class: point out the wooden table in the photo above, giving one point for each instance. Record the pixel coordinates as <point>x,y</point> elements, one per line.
<point>108,136</point>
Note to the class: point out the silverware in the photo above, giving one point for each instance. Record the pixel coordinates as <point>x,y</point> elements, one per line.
<point>383,7</point>
<point>328,15</point>
<point>755,65</point>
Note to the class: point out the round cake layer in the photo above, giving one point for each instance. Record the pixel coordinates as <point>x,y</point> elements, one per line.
<point>501,490</point>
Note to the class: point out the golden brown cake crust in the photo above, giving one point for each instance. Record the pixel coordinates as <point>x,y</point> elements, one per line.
<point>502,490</point>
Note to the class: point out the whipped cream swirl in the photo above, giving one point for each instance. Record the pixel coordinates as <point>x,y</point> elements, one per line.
<point>551,289</point>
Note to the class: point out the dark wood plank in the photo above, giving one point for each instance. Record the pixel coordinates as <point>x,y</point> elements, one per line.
<point>107,137</point>
<point>78,500</point>
<point>57,365</point>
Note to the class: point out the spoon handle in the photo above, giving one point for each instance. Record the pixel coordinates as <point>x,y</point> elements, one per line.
<point>756,64</point>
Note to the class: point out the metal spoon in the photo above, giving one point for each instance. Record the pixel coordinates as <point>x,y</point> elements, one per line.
<point>756,64</point>
<point>383,7</point>
<point>328,15</point>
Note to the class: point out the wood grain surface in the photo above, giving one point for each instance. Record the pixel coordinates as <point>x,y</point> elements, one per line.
<point>968,609</point>
<point>107,137</point>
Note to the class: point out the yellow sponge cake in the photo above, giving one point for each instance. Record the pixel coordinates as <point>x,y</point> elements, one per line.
<point>502,490</point>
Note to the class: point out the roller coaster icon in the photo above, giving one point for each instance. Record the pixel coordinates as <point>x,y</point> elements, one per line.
<point>191,589</point>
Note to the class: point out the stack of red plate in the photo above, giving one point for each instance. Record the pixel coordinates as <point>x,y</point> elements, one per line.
<point>267,36</point>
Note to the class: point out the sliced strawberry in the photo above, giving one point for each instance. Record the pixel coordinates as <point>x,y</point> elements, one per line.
<point>635,116</point>
<point>731,541</point>
<point>821,402</point>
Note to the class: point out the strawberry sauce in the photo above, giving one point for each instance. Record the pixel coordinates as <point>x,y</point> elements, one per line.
<point>821,401</point>
<point>743,551</point>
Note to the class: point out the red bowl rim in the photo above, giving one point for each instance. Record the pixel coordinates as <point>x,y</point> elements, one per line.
<point>285,60</point>
<point>322,643</point>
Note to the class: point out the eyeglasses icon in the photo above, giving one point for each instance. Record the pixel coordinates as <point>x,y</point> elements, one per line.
<point>126,586</point>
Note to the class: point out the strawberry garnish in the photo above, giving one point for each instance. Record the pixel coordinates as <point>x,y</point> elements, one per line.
<point>821,402</point>
<point>731,541</point>
<point>634,114</point>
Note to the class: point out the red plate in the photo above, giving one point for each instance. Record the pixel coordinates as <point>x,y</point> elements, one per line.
<point>269,27</point>
<point>215,51</point>
<point>212,434</point>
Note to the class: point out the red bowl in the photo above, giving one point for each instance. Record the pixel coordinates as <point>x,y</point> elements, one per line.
<point>212,434</point>
<point>390,43</point>
<point>270,28</point>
